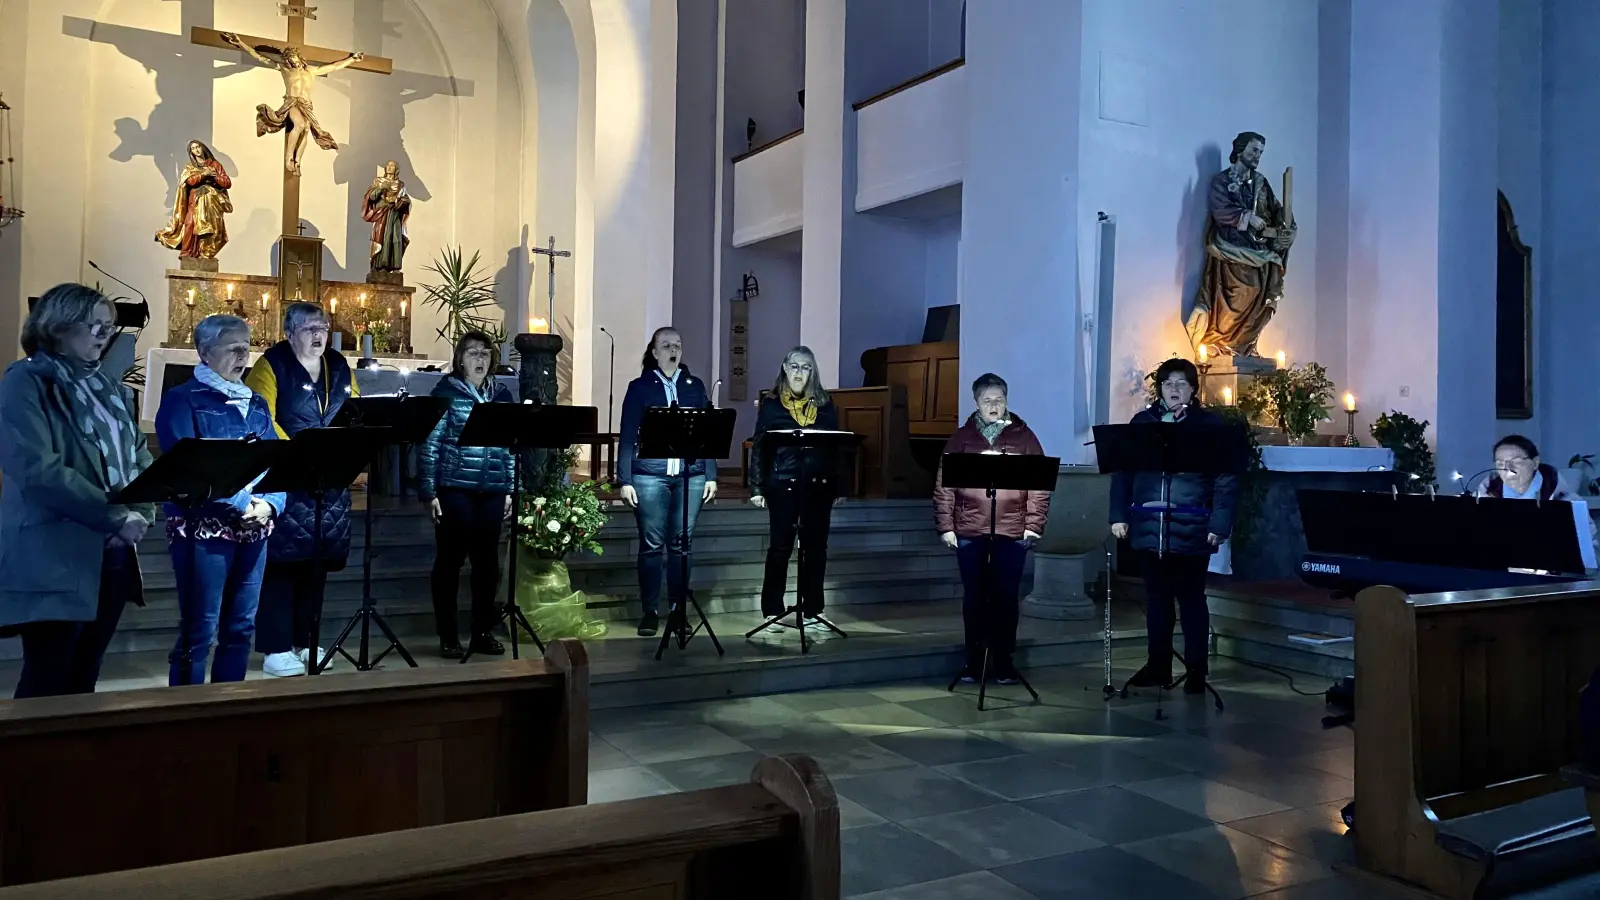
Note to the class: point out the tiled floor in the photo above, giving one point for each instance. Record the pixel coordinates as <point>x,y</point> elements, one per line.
<point>1069,798</point>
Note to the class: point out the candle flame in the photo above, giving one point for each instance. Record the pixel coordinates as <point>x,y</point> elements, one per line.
<point>1350,401</point>
<point>230,290</point>
<point>362,299</point>
<point>1204,352</point>
<point>402,309</point>
<point>333,306</point>
<point>538,325</point>
<point>1283,359</point>
<point>1227,396</point>
<point>190,301</point>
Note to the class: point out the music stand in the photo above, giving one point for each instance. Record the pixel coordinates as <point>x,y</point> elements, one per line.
<point>1168,448</point>
<point>196,471</point>
<point>520,427</point>
<point>316,461</point>
<point>391,421</point>
<point>686,433</point>
<point>992,473</point>
<point>803,439</point>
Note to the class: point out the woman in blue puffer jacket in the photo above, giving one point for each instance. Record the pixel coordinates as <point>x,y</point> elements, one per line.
<point>468,491</point>
<point>1175,531</point>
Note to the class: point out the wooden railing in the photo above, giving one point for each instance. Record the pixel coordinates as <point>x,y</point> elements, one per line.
<point>950,66</point>
<point>770,144</point>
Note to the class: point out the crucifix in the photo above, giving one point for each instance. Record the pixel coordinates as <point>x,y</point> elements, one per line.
<point>552,253</point>
<point>299,64</point>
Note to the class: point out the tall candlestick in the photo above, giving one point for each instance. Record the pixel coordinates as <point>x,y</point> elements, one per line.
<point>1350,421</point>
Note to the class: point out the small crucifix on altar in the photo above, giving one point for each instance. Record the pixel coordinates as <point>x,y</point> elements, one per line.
<point>299,64</point>
<point>552,253</point>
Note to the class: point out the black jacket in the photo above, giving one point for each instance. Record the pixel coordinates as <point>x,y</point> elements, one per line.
<point>444,463</point>
<point>298,403</point>
<point>772,466</point>
<point>644,392</point>
<point>1204,504</point>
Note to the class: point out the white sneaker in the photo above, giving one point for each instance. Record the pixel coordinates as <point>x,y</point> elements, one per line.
<point>815,624</point>
<point>301,655</point>
<point>283,665</point>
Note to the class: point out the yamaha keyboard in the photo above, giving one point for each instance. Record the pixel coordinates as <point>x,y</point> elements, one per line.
<point>1350,574</point>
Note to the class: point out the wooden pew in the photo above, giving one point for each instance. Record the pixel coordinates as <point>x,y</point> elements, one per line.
<point>776,838</point>
<point>106,782</point>
<point>1466,711</point>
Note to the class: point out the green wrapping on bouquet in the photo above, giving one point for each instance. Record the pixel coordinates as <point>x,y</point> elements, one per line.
<point>553,608</point>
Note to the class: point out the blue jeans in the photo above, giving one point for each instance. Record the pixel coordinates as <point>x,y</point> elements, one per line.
<point>661,535</point>
<point>219,585</point>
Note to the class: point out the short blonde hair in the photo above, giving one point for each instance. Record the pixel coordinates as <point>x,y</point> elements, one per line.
<point>61,309</point>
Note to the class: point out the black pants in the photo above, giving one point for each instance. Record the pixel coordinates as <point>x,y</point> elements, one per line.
<point>469,528</point>
<point>786,517</point>
<point>291,599</point>
<point>994,622</point>
<point>64,657</point>
<point>1182,578</point>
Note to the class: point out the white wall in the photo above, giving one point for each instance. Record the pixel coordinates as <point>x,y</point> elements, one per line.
<point>1521,168</point>
<point>943,265</point>
<point>1158,107</point>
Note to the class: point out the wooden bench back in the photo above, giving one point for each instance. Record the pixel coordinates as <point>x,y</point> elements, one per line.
<point>1465,702</point>
<point>776,839</point>
<point>107,782</point>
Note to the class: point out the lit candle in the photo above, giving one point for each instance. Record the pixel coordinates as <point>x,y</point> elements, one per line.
<point>266,298</point>
<point>1204,352</point>
<point>1350,401</point>
<point>333,306</point>
<point>362,299</point>
<point>1227,396</point>
<point>230,292</point>
<point>190,302</point>
<point>1283,359</point>
<point>402,309</point>
<point>538,325</point>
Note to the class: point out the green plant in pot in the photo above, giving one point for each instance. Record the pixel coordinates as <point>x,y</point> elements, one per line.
<point>558,518</point>
<point>1295,398</point>
<point>1407,438</point>
<point>465,297</point>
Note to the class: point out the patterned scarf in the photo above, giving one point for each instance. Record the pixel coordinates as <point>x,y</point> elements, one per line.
<point>991,430</point>
<point>803,409</point>
<point>100,412</point>
<point>238,393</point>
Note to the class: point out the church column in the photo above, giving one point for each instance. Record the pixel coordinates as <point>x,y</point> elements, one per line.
<point>1422,187</point>
<point>1019,272</point>
<point>822,216</point>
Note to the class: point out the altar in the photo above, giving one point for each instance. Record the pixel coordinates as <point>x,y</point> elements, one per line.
<point>1277,538</point>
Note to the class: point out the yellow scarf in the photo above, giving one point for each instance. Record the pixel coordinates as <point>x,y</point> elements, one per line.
<point>803,409</point>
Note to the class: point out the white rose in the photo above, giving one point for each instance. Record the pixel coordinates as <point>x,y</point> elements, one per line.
<point>553,525</point>
<point>538,501</point>
<point>565,538</point>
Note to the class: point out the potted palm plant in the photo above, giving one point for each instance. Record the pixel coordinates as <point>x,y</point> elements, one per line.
<point>465,297</point>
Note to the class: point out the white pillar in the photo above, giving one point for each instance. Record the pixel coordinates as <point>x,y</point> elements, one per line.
<point>1019,272</point>
<point>822,216</point>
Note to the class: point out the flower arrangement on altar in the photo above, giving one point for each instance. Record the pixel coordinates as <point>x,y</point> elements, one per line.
<point>555,519</point>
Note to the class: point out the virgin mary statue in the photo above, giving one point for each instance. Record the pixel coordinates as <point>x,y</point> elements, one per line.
<point>197,229</point>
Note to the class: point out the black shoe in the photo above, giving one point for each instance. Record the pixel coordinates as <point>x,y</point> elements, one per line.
<point>649,625</point>
<point>487,645</point>
<point>1194,683</point>
<point>450,649</point>
<point>1150,676</point>
<point>1006,673</point>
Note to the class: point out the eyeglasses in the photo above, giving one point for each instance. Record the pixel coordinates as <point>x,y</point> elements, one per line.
<point>100,328</point>
<point>479,354</point>
<point>1517,462</point>
<point>1175,383</point>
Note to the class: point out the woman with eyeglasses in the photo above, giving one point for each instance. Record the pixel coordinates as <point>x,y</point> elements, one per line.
<point>468,492</point>
<point>1175,523</point>
<point>218,548</point>
<point>1519,474</point>
<point>305,382</point>
<point>68,442</point>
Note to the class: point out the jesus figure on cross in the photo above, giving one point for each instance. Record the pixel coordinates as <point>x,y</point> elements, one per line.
<point>296,113</point>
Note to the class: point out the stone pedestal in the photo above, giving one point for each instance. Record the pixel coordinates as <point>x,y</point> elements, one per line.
<point>377,277</point>
<point>536,373</point>
<point>195,264</point>
<point>1058,587</point>
<point>1234,373</point>
<point>1069,554</point>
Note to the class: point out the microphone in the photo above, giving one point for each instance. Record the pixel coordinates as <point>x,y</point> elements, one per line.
<point>715,390</point>
<point>96,266</point>
<point>128,314</point>
<point>1466,485</point>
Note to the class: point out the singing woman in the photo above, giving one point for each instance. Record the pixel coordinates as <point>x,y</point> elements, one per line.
<point>798,487</point>
<point>654,487</point>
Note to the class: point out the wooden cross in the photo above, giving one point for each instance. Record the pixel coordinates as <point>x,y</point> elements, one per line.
<point>297,14</point>
<point>552,253</point>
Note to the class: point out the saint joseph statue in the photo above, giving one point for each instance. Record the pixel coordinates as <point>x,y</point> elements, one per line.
<point>296,113</point>
<point>387,206</point>
<point>1248,236</point>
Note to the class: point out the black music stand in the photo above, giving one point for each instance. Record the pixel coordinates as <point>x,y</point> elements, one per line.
<point>1168,449</point>
<point>991,473</point>
<point>686,433</point>
<point>520,427</point>
<point>196,471</point>
<point>391,421</point>
<point>316,461</point>
<point>804,439</point>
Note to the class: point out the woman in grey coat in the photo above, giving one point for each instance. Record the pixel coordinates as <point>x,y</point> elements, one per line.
<point>68,442</point>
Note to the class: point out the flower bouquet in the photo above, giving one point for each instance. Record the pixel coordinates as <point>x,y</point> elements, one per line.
<point>564,517</point>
